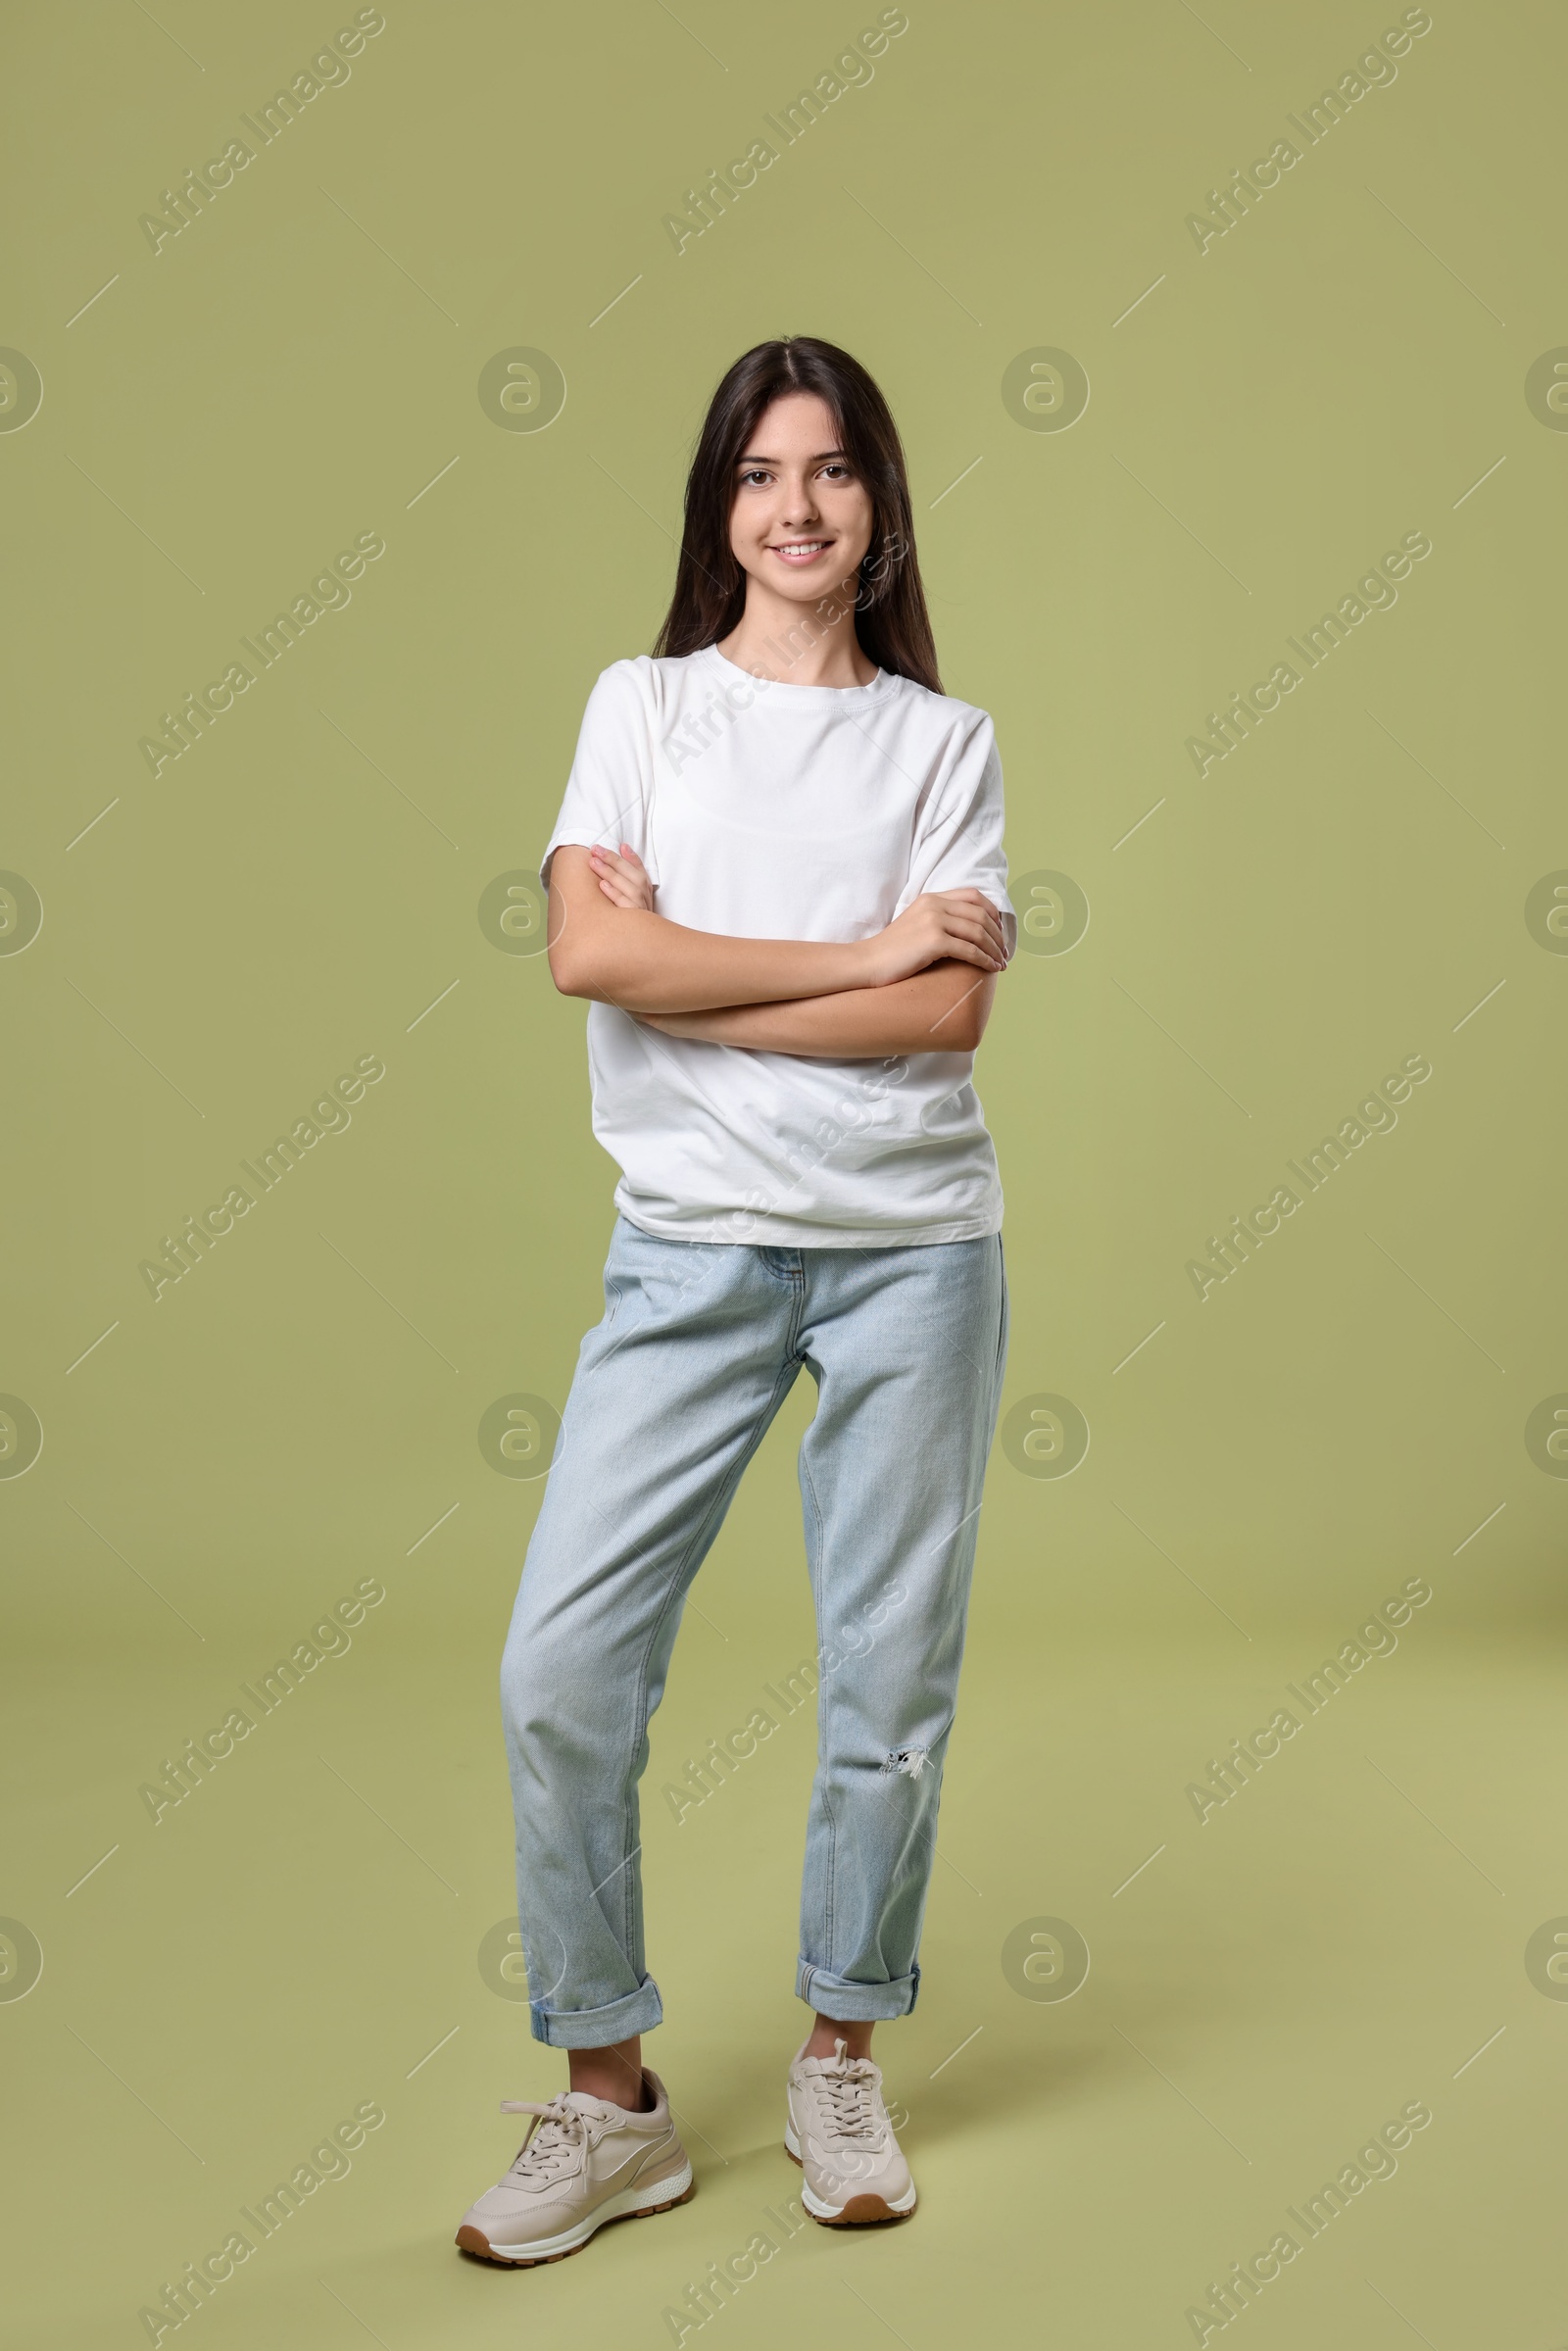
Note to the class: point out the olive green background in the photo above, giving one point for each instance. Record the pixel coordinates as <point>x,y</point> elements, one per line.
<point>1266,419</point>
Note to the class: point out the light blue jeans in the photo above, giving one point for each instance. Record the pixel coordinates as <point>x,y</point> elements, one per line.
<point>674,1392</point>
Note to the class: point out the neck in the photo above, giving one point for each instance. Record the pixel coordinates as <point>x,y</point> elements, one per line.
<point>799,645</point>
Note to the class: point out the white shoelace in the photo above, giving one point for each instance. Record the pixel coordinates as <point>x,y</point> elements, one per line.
<point>846,2096</point>
<point>557,2140</point>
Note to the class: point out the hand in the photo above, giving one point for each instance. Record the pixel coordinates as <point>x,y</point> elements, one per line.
<point>623,879</point>
<point>962,924</point>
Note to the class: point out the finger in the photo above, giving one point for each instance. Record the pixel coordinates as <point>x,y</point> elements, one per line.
<point>970,907</point>
<point>964,951</point>
<point>988,911</point>
<point>976,909</point>
<point>993,928</point>
<point>979,934</point>
<point>975,950</point>
<point>631,858</point>
<point>972,934</point>
<point>972,901</point>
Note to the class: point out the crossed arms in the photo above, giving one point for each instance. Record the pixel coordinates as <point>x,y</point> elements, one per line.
<point>922,985</point>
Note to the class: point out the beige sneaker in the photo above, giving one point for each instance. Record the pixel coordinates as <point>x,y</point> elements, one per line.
<point>583,2163</point>
<point>839,2133</point>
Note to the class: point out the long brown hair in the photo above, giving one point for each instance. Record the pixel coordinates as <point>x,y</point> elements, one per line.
<point>891,619</point>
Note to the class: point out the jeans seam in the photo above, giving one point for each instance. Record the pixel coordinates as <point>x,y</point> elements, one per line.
<point>720,1503</point>
<point>824,1745</point>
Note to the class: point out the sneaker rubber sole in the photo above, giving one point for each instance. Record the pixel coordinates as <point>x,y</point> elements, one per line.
<point>631,2204</point>
<point>857,2212</point>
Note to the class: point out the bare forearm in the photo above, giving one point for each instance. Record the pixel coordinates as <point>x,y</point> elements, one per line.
<point>644,964</point>
<point>943,1009</point>
<point>607,942</point>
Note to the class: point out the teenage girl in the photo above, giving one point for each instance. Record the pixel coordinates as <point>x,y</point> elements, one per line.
<point>778,878</point>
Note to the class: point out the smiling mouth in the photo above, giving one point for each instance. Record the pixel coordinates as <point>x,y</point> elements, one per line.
<point>801,551</point>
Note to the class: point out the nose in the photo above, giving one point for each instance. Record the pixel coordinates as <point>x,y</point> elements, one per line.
<point>800,505</point>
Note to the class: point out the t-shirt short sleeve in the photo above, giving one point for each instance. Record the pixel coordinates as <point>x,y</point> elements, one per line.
<point>607,791</point>
<point>957,842</point>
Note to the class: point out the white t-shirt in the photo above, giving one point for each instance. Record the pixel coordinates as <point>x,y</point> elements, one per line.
<point>787,811</point>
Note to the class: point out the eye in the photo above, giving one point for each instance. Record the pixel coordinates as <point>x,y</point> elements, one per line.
<point>839,471</point>
<point>754,473</point>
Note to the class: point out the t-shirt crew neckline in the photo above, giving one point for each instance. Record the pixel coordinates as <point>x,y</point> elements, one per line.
<point>777,694</point>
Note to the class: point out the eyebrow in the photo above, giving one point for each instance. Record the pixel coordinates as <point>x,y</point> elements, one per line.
<point>821,458</point>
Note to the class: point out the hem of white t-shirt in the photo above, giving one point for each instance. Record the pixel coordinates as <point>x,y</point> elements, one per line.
<point>780,1232</point>
<point>571,836</point>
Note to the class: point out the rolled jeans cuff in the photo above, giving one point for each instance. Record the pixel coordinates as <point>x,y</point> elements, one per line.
<point>597,2027</point>
<point>856,2003</point>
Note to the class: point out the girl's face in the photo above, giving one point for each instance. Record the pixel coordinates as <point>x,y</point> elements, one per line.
<point>801,519</point>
